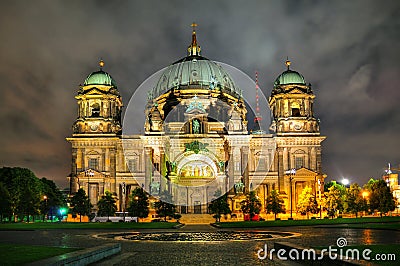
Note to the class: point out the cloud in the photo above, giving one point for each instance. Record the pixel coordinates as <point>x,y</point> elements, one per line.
<point>346,49</point>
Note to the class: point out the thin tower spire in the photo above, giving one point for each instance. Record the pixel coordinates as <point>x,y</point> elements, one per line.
<point>258,117</point>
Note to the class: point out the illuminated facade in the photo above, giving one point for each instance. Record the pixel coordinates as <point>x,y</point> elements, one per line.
<point>196,139</point>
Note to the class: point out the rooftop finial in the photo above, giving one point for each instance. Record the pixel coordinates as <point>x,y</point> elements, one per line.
<point>194,48</point>
<point>101,64</point>
<point>258,116</point>
<point>194,25</point>
<point>287,62</point>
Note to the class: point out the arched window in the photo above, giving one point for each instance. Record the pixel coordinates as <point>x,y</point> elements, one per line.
<point>95,110</point>
<point>295,107</point>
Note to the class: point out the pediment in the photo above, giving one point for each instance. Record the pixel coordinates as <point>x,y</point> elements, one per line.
<point>305,172</point>
<point>90,173</point>
<point>94,91</point>
<point>296,91</point>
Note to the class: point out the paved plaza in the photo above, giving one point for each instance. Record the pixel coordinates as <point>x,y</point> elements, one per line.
<point>200,253</point>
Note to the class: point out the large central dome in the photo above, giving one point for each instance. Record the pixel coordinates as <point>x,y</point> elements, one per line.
<point>195,72</point>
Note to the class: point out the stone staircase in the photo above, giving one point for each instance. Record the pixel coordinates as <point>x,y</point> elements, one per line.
<point>197,219</point>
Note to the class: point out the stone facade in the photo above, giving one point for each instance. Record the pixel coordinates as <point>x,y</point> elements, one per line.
<point>196,139</point>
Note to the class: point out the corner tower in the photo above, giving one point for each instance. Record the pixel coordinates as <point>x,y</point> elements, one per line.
<point>96,133</point>
<point>297,134</point>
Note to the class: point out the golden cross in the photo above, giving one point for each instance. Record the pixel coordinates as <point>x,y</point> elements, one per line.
<point>194,25</point>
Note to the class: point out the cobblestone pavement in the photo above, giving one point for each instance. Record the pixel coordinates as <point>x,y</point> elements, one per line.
<point>198,253</point>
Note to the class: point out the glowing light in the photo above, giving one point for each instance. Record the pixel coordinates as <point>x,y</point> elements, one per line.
<point>63,211</point>
<point>345,181</point>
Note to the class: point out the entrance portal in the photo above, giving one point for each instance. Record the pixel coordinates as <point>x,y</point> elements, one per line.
<point>197,207</point>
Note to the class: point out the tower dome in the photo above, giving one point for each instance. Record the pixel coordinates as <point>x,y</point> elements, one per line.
<point>289,77</point>
<point>100,78</point>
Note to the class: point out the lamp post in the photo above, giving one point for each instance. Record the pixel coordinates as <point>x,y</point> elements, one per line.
<point>123,199</point>
<point>291,172</point>
<point>319,196</point>
<point>45,207</point>
<point>365,195</point>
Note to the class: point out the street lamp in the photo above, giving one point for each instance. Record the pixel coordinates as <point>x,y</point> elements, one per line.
<point>319,196</point>
<point>45,207</point>
<point>345,181</point>
<point>291,173</point>
<point>123,199</point>
<point>365,195</point>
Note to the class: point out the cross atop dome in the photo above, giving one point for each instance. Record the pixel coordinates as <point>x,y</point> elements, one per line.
<point>101,64</point>
<point>287,62</point>
<point>194,25</point>
<point>194,48</point>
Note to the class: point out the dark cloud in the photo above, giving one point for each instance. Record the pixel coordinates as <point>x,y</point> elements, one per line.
<point>348,50</point>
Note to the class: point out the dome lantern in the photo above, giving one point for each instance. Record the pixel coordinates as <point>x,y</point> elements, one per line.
<point>194,48</point>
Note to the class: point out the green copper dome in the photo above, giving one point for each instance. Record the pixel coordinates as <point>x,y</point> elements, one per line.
<point>290,77</point>
<point>100,78</point>
<point>195,72</point>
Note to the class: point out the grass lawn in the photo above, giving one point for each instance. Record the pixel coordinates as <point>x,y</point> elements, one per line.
<point>21,254</point>
<point>367,222</point>
<point>383,250</point>
<point>41,225</point>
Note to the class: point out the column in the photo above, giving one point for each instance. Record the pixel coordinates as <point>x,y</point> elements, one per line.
<point>113,173</point>
<point>319,160</point>
<point>281,170</point>
<point>162,170</point>
<point>245,167</point>
<point>148,168</point>
<point>231,172</point>
<point>73,183</point>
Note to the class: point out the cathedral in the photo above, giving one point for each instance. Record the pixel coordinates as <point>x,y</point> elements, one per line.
<point>196,142</point>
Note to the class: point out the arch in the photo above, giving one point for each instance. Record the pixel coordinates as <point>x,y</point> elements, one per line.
<point>295,109</point>
<point>199,165</point>
<point>95,108</point>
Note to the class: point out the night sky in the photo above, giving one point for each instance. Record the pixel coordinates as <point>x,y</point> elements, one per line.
<point>348,51</point>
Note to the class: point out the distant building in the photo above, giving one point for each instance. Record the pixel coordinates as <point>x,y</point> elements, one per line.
<point>196,138</point>
<point>392,180</point>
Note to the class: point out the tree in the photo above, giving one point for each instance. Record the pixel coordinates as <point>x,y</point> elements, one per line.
<point>54,201</point>
<point>29,203</point>
<point>5,202</point>
<point>107,205</point>
<point>307,202</point>
<point>24,189</point>
<point>139,203</point>
<point>354,201</point>
<point>79,204</point>
<point>163,207</point>
<point>334,200</point>
<point>251,205</point>
<point>275,203</point>
<point>219,205</point>
<point>381,199</point>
